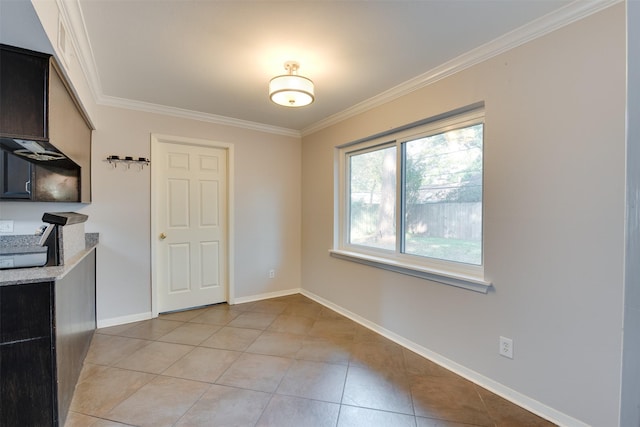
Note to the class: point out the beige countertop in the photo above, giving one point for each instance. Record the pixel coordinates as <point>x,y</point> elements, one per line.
<point>20,276</point>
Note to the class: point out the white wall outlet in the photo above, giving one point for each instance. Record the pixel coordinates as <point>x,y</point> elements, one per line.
<point>6,226</point>
<point>506,347</point>
<point>272,274</point>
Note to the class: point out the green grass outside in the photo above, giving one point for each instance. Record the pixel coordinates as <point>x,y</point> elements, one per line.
<point>466,251</point>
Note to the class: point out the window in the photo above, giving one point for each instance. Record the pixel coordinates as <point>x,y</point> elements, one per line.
<point>411,201</point>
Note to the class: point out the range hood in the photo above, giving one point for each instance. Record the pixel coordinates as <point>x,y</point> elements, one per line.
<point>43,123</point>
<point>38,151</point>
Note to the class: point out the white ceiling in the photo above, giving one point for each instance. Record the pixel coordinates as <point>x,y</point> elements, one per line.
<point>216,58</point>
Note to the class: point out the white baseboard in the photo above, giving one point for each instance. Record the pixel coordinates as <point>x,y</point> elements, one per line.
<point>115,321</point>
<point>267,295</point>
<point>501,390</point>
<point>507,393</point>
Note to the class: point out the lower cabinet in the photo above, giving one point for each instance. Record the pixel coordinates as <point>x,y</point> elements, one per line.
<point>28,395</point>
<point>26,355</point>
<point>45,333</point>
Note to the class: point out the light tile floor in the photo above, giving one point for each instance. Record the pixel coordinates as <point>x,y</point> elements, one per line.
<point>280,362</point>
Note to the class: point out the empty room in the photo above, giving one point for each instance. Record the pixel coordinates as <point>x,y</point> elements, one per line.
<point>310,213</point>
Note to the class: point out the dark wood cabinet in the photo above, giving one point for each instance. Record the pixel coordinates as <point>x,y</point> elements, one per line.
<point>45,333</point>
<point>23,180</point>
<point>23,93</point>
<point>26,312</point>
<point>37,105</point>
<point>28,387</point>
<point>26,355</point>
<point>75,323</point>
<point>16,177</point>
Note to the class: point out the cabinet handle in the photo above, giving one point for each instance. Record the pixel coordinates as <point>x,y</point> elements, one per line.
<point>27,186</point>
<point>163,236</point>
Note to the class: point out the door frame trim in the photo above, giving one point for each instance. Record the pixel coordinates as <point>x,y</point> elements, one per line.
<point>156,140</point>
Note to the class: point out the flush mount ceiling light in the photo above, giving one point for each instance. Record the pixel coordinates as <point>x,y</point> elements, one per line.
<point>291,90</point>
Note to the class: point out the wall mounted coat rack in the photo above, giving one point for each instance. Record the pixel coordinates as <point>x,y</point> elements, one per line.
<point>127,161</point>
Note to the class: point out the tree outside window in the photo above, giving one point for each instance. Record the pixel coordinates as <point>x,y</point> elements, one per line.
<point>440,202</point>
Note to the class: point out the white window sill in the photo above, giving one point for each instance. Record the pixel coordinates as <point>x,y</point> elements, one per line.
<point>447,278</point>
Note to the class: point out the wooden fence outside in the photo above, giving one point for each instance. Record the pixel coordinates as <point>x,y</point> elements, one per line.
<point>447,220</point>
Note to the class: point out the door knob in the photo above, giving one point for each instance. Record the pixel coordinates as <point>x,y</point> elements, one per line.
<point>163,236</point>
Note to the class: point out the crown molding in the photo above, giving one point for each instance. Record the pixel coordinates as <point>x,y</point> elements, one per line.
<point>574,11</point>
<point>73,17</point>
<point>566,15</point>
<point>71,14</point>
<point>148,107</point>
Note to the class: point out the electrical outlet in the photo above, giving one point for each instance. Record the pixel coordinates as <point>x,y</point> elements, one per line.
<point>506,347</point>
<point>272,274</point>
<point>6,226</point>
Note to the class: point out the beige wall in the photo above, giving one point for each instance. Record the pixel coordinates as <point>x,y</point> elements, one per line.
<point>554,224</point>
<point>267,209</point>
<point>554,212</point>
<point>630,405</point>
<point>267,178</point>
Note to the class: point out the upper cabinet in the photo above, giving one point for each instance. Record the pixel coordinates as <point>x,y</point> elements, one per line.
<point>23,93</point>
<point>42,124</point>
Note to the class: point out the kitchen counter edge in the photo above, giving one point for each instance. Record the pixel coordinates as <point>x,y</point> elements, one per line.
<point>21,276</point>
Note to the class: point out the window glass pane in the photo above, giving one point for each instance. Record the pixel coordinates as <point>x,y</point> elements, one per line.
<point>372,198</point>
<point>443,196</point>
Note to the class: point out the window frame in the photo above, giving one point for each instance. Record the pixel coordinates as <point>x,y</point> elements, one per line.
<point>468,276</point>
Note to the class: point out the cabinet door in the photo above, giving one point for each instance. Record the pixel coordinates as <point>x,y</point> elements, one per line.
<point>27,364</point>
<point>27,388</point>
<point>15,177</point>
<point>25,311</point>
<point>23,93</point>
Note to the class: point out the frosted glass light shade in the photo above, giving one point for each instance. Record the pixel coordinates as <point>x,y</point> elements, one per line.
<point>291,90</point>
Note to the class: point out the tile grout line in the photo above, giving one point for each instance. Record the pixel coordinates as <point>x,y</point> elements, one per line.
<point>292,357</point>
<point>409,383</point>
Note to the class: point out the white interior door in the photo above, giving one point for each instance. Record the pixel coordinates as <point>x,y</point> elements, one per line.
<point>190,214</point>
